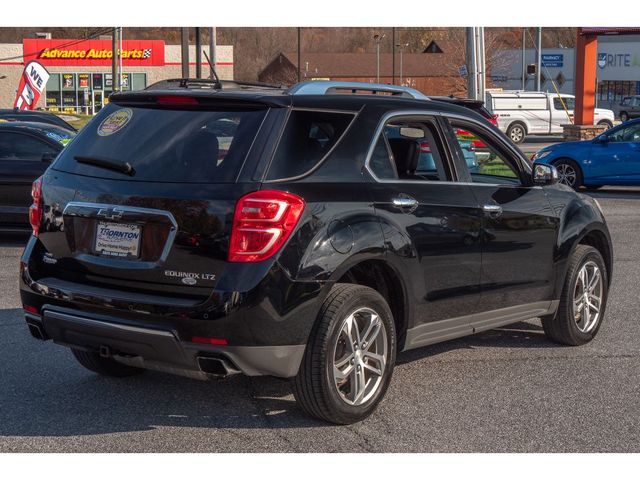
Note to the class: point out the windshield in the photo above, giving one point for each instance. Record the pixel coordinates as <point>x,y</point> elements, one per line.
<point>60,135</point>
<point>165,145</point>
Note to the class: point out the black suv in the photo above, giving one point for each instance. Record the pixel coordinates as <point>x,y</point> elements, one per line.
<point>309,233</point>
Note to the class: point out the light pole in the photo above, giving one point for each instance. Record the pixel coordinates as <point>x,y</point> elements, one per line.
<point>378,38</point>
<point>401,47</point>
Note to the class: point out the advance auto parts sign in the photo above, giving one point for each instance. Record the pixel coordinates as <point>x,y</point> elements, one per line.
<point>114,122</point>
<point>92,52</point>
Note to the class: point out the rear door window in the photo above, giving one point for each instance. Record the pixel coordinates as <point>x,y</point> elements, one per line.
<point>166,145</point>
<point>19,146</point>
<point>307,139</point>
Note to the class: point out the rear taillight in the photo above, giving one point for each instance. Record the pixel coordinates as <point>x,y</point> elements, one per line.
<point>494,119</point>
<point>262,223</point>
<point>35,210</point>
<point>425,148</point>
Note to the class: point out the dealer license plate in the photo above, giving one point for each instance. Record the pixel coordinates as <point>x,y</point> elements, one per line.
<point>117,239</point>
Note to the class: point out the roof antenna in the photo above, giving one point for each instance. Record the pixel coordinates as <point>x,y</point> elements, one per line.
<point>217,85</point>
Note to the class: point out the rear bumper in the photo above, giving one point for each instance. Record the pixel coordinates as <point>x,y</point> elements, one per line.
<point>159,349</point>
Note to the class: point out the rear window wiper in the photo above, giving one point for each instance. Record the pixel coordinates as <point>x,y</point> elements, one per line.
<point>118,166</point>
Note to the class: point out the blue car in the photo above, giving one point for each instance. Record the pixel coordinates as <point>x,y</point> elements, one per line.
<point>612,158</point>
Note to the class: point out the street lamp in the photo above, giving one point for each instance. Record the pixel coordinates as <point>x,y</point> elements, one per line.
<point>378,38</point>
<point>401,47</point>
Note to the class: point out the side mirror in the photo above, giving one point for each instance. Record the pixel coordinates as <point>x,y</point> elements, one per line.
<point>544,174</point>
<point>601,139</point>
<point>48,157</point>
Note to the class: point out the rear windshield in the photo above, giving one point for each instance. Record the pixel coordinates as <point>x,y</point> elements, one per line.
<point>165,145</point>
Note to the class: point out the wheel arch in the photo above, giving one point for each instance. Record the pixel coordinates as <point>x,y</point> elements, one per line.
<point>383,277</point>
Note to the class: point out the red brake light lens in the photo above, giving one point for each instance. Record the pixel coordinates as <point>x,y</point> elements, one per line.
<point>425,148</point>
<point>35,210</point>
<point>494,119</point>
<point>210,340</point>
<point>262,223</point>
<point>30,309</point>
<point>176,100</point>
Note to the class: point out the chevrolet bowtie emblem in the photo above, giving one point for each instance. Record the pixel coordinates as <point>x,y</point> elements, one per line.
<point>110,213</point>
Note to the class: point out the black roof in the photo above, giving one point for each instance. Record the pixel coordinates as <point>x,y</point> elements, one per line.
<point>35,127</point>
<point>15,114</point>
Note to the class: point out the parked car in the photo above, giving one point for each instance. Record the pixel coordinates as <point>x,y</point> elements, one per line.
<point>475,105</point>
<point>613,158</point>
<point>15,115</point>
<point>629,108</point>
<point>26,149</point>
<point>313,249</point>
<point>522,113</point>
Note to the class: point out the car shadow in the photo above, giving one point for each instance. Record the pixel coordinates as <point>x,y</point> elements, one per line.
<point>614,193</point>
<point>45,393</point>
<point>517,335</point>
<point>14,239</point>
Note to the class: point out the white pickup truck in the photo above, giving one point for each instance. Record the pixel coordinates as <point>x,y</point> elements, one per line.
<point>521,113</point>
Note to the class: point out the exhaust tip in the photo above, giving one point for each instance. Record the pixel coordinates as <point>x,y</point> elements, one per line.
<point>36,331</point>
<point>218,367</point>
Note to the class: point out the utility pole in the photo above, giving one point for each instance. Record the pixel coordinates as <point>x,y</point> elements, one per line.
<point>538,57</point>
<point>212,49</point>
<point>472,64</point>
<point>184,51</point>
<point>524,64</point>
<point>198,54</point>
<point>120,47</point>
<point>393,55</point>
<point>401,47</point>
<point>481,68</point>
<point>378,38</point>
<point>299,47</point>
<point>114,58</point>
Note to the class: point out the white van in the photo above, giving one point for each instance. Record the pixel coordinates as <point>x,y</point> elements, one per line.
<point>522,113</point>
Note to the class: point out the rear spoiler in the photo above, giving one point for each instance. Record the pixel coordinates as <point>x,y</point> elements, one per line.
<point>198,99</point>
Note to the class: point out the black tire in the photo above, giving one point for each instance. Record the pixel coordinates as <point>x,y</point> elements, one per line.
<point>104,366</point>
<point>314,387</point>
<point>563,328</point>
<point>624,116</point>
<point>606,123</point>
<point>564,166</point>
<point>517,132</point>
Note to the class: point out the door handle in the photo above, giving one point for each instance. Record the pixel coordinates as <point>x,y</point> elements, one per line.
<point>492,211</point>
<point>405,202</point>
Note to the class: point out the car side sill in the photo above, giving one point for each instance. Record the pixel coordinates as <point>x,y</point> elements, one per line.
<point>442,330</point>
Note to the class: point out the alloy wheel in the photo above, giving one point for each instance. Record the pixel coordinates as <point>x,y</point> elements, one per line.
<point>587,297</point>
<point>567,175</point>
<point>516,134</point>
<point>360,356</point>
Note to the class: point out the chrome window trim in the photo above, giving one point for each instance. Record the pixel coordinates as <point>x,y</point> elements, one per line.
<point>436,114</point>
<point>518,155</point>
<point>387,116</point>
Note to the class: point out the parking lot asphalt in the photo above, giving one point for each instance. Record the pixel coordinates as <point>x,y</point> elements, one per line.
<point>504,390</point>
<point>532,144</point>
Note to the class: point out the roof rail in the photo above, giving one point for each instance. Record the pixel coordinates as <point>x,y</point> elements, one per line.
<point>327,87</point>
<point>207,83</point>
